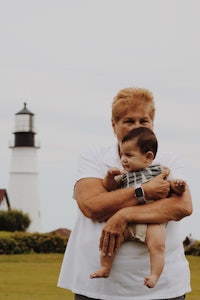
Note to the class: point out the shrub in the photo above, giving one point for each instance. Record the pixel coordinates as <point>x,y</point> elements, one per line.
<point>193,249</point>
<point>14,220</point>
<point>22,243</point>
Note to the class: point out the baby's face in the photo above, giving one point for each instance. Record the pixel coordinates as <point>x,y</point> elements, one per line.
<point>131,158</point>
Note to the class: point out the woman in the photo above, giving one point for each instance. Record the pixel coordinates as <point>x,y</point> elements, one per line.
<point>112,211</point>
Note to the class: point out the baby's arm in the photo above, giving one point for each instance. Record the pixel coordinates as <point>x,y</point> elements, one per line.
<point>178,186</point>
<point>109,181</point>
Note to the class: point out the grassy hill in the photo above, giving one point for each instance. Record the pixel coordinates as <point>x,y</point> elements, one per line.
<point>34,277</point>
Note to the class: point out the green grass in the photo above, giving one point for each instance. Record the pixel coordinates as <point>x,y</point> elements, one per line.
<point>34,276</point>
<point>31,277</point>
<point>194,262</point>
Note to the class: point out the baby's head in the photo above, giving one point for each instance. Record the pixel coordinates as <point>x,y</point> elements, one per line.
<point>138,149</point>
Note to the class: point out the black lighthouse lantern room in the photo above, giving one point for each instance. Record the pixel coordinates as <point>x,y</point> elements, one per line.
<point>24,128</point>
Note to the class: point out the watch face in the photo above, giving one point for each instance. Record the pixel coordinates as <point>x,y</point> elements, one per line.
<point>139,192</point>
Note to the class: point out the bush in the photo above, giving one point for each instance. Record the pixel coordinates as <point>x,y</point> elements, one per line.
<point>193,249</point>
<point>14,220</point>
<point>22,243</point>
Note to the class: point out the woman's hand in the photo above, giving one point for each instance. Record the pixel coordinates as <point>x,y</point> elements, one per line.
<point>112,234</point>
<point>157,187</point>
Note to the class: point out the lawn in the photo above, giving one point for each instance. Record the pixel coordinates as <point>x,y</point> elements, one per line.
<point>194,262</point>
<point>31,277</point>
<point>34,276</point>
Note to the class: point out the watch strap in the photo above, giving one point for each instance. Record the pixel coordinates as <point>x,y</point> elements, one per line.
<point>139,194</point>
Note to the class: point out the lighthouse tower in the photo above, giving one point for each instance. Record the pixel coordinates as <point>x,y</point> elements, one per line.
<point>24,186</point>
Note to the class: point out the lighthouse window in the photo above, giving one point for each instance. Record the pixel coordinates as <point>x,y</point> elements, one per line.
<point>24,123</point>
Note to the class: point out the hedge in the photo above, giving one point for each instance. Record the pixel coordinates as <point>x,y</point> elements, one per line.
<point>14,220</point>
<point>22,243</point>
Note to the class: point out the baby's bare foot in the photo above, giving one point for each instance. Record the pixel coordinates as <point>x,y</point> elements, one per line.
<point>104,272</point>
<point>150,281</point>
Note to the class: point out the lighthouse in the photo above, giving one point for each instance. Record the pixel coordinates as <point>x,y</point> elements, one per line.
<point>24,184</point>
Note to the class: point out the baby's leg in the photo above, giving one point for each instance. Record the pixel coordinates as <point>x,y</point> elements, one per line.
<point>107,261</point>
<point>155,239</point>
<point>106,264</point>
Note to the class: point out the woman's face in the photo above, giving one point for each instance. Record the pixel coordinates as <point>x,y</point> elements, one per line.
<point>139,117</point>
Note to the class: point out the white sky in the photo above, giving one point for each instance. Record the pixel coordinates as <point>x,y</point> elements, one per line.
<point>67,60</point>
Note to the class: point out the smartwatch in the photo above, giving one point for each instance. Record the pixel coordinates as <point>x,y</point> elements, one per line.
<point>139,193</point>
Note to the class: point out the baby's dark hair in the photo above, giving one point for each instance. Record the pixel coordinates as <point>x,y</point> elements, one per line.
<point>145,139</point>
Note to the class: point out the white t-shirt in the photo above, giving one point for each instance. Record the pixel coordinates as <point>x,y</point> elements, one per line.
<point>132,263</point>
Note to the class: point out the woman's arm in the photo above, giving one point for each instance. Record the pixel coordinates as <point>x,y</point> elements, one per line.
<point>97,203</point>
<point>174,208</point>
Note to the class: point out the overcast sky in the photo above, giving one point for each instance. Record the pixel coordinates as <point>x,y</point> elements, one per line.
<point>68,59</point>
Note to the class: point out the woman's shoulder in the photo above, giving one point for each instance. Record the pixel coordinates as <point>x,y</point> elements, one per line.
<point>98,150</point>
<point>164,157</point>
<point>173,162</point>
<point>95,160</point>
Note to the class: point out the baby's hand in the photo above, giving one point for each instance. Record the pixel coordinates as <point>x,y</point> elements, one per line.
<point>112,179</point>
<point>112,172</point>
<point>178,186</point>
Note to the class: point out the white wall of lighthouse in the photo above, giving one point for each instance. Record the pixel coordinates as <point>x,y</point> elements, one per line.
<point>24,182</point>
